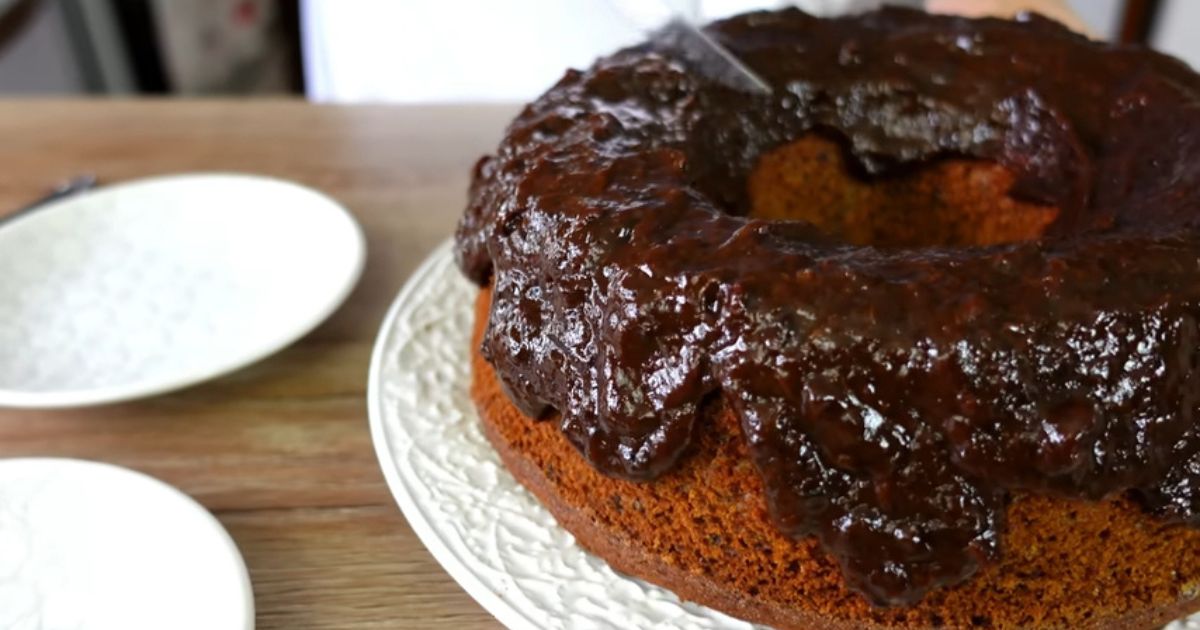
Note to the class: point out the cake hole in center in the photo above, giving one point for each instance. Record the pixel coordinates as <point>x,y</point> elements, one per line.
<point>948,202</point>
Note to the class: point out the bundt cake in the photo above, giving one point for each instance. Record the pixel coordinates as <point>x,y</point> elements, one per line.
<point>910,341</point>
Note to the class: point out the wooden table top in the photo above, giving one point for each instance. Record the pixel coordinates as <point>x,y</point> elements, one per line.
<point>280,451</point>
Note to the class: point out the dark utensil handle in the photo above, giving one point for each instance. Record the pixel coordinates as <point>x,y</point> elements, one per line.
<point>65,189</point>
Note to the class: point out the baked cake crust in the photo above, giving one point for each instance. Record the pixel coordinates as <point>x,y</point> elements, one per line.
<point>702,532</point>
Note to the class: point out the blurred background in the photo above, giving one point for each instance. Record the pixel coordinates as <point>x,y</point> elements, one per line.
<point>403,51</point>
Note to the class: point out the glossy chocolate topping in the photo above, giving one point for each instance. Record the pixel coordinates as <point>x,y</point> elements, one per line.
<point>892,398</point>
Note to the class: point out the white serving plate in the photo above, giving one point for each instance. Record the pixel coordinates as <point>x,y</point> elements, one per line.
<point>91,546</point>
<point>487,531</point>
<point>146,287</point>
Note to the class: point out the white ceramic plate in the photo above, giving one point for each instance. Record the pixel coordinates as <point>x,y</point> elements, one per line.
<point>149,286</point>
<point>486,530</point>
<point>90,546</point>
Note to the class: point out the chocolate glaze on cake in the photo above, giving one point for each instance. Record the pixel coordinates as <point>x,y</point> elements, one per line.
<point>892,397</point>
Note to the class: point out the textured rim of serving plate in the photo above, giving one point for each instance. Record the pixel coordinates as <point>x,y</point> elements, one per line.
<point>146,388</point>
<point>413,512</point>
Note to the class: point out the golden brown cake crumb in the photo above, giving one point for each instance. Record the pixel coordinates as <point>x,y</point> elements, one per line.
<point>950,202</point>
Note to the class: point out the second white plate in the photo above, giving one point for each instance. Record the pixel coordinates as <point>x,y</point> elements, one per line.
<point>149,286</point>
<point>91,546</point>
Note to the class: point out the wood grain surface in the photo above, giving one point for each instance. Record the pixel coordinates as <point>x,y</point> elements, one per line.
<point>279,451</point>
